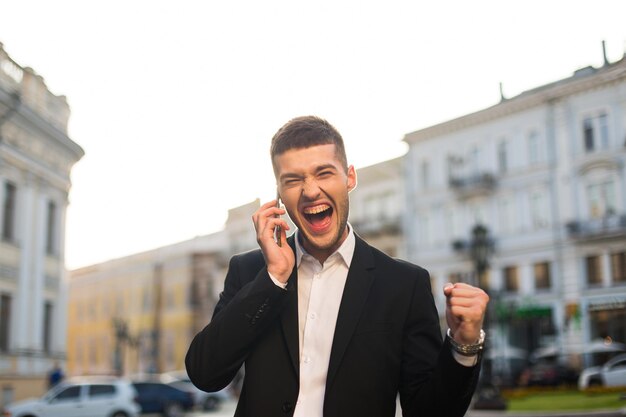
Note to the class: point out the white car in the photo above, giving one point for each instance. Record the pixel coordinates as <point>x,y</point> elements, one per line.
<point>611,374</point>
<point>93,397</point>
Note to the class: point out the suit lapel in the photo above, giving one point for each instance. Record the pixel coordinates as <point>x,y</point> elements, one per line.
<point>358,283</point>
<point>289,316</point>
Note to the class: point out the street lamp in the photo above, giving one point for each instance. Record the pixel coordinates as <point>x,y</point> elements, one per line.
<point>481,248</point>
<point>122,336</point>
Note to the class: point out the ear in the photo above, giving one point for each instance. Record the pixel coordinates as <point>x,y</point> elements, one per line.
<point>351,178</point>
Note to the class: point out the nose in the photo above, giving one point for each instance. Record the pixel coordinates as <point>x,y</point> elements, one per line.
<point>310,189</point>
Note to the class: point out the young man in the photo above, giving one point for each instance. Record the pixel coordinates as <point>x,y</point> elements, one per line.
<point>325,324</point>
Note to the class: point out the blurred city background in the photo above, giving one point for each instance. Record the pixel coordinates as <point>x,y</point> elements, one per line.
<point>524,196</point>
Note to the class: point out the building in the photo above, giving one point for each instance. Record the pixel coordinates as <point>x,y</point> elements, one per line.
<point>377,206</point>
<point>137,314</point>
<point>545,173</point>
<point>36,157</point>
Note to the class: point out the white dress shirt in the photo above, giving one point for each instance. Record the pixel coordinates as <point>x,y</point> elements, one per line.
<point>320,289</point>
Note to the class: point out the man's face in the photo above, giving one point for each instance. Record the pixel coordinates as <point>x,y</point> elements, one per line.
<point>314,186</point>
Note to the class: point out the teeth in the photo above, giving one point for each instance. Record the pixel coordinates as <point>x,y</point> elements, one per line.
<point>316,209</point>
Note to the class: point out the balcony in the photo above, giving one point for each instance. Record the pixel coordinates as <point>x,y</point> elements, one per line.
<point>473,185</point>
<point>378,226</point>
<point>607,227</point>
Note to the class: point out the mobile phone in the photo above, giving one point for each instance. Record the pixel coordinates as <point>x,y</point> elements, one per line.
<point>277,230</point>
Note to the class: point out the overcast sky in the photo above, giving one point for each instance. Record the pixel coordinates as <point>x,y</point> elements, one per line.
<point>175,102</point>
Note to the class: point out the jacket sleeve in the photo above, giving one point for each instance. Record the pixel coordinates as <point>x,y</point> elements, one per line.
<point>249,304</point>
<point>433,383</point>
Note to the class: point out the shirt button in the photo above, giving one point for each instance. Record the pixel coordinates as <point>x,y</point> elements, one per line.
<point>307,359</point>
<point>313,316</point>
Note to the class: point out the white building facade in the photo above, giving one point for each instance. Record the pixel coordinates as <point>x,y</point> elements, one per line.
<point>36,157</point>
<point>377,206</point>
<point>545,173</point>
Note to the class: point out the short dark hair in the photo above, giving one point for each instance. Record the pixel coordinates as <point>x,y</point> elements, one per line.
<point>304,132</point>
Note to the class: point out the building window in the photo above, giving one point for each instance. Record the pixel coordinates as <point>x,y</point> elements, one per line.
<point>534,149</point>
<point>474,160</point>
<point>51,228</point>
<point>47,326</point>
<point>593,268</point>
<point>511,279</point>
<point>596,132</point>
<point>468,277</point>
<point>147,300</point>
<point>8,216</point>
<point>503,163</point>
<point>542,276</point>
<point>425,175</point>
<point>507,215</point>
<point>5,321</point>
<point>601,199</point>
<point>424,229</point>
<point>618,267</point>
<point>538,210</point>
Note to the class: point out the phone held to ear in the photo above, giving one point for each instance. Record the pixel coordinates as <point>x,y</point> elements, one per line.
<point>277,230</point>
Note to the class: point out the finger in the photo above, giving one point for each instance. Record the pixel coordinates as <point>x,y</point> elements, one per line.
<point>447,288</point>
<point>466,314</point>
<point>268,205</point>
<point>461,301</point>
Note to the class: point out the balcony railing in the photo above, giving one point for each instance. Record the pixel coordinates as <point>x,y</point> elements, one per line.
<point>609,226</point>
<point>378,226</point>
<point>476,184</point>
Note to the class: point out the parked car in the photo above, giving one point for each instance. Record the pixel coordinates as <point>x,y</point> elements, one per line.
<point>207,401</point>
<point>78,397</point>
<point>611,374</point>
<point>551,374</point>
<point>157,397</point>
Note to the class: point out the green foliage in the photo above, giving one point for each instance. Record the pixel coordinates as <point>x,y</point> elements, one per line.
<point>562,399</point>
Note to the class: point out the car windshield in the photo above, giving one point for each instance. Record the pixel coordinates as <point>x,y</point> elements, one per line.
<point>53,392</point>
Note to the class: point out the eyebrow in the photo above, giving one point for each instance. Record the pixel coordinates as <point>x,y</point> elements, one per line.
<point>290,175</point>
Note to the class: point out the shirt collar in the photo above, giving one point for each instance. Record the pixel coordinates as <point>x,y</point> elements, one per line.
<point>345,251</point>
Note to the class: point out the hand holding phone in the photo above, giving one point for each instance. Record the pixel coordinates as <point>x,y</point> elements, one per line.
<point>278,230</point>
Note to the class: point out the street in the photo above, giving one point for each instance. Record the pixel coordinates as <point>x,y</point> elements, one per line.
<point>228,410</point>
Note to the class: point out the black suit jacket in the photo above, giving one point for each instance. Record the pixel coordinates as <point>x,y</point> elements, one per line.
<point>387,341</point>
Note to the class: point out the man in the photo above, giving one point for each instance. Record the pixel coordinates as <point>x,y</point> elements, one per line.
<point>325,324</point>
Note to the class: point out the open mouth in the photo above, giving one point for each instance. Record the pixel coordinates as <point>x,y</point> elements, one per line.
<point>319,216</point>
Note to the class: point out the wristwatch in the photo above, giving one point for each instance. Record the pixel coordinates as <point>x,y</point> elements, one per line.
<point>467,350</point>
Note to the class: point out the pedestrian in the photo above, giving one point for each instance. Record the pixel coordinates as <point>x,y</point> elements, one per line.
<point>325,324</point>
<point>55,375</point>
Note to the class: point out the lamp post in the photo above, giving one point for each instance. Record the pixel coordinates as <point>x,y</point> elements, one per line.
<point>481,248</point>
<point>122,336</point>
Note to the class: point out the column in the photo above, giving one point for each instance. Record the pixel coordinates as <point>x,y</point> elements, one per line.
<point>527,285</point>
<point>2,182</point>
<point>59,321</point>
<point>606,268</point>
<point>22,323</point>
<point>38,273</point>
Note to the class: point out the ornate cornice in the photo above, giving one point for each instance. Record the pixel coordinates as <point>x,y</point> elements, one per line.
<point>583,80</point>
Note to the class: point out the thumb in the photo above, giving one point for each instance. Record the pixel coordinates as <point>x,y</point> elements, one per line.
<point>447,289</point>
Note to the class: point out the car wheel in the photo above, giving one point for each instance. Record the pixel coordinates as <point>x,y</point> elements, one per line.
<point>595,382</point>
<point>119,414</point>
<point>173,410</point>
<point>210,404</point>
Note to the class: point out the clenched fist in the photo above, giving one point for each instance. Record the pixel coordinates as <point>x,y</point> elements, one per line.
<point>465,311</point>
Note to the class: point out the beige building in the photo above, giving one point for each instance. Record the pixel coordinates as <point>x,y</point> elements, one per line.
<point>137,314</point>
<point>36,157</point>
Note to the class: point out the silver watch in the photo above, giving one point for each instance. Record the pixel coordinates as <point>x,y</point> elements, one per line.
<point>467,350</point>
